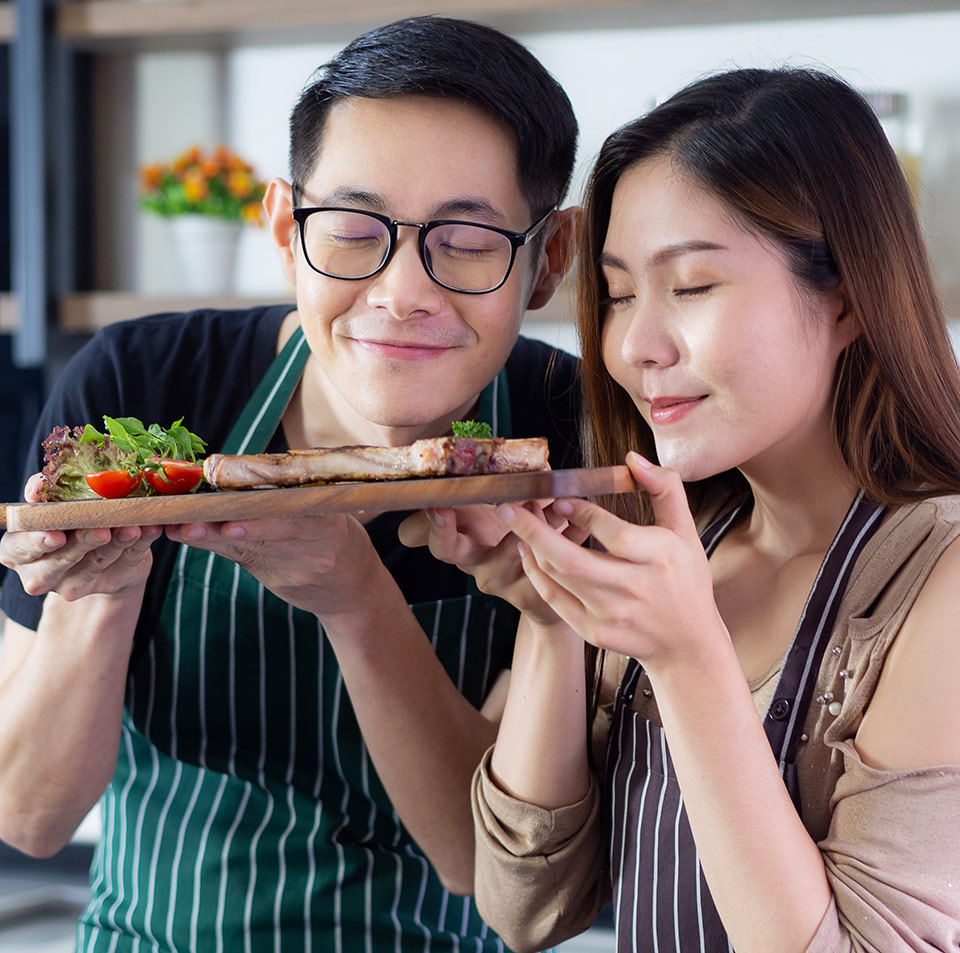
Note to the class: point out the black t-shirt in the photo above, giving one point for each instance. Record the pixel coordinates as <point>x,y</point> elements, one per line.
<point>203,366</point>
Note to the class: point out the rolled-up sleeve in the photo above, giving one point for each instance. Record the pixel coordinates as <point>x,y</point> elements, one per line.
<point>892,855</point>
<point>540,874</point>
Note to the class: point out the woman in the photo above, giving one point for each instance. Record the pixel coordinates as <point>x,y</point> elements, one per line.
<point>758,320</point>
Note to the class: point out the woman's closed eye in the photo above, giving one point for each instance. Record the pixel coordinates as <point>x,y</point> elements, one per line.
<point>616,301</point>
<point>692,291</point>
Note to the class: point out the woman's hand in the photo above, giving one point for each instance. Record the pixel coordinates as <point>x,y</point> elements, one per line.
<point>478,542</point>
<point>79,563</point>
<point>649,595</point>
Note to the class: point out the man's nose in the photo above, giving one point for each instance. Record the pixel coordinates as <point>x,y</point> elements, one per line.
<point>403,287</point>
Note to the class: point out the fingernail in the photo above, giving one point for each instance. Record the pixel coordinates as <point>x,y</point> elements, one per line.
<point>506,513</point>
<point>640,460</point>
<point>237,531</point>
<point>194,532</point>
<point>564,507</point>
<point>50,543</point>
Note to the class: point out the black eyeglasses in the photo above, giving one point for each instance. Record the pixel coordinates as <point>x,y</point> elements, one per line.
<point>461,256</point>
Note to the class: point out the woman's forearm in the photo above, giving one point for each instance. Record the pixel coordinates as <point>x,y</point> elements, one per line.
<point>541,750</point>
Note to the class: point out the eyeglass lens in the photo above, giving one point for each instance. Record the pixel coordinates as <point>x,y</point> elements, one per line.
<point>346,244</point>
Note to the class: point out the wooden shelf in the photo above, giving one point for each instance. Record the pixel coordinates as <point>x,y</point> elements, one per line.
<point>8,22</point>
<point>95,23</point>
<point>8,313</point>
<point>83,313</point>
<point>87,312</point>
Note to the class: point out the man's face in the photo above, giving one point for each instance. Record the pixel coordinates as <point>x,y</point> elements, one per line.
<point>401,351</point>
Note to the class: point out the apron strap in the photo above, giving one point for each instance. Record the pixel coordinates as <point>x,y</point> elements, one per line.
<point>791,698</point>
<point>259,419</point>
<point>493,407</point>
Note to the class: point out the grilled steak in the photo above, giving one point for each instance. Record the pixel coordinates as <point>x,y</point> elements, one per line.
<point>433,457</point>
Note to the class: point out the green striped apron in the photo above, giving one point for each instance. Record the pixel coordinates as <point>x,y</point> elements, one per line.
<point>245,814</point>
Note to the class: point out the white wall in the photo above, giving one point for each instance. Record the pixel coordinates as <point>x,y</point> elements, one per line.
<point>610,75</point>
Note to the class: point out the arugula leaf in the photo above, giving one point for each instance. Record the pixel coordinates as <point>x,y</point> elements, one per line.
<point>478,429</point>
<point>130,435</point>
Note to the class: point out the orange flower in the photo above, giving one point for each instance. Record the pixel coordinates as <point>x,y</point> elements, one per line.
<point>210,167</point>
<point>186,159</point>
<point>195,185</point>
<point>151,176</point>
<point>251,213</point>
<point>239,184</point>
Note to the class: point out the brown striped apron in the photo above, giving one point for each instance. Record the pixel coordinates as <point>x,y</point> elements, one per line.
<point>660,897</point>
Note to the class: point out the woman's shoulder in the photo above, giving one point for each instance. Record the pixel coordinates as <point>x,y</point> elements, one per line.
<point>913,719</point>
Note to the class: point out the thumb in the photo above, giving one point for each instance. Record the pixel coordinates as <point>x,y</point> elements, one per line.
<point>667,495</point>
<point>31,492</point>
<point>414,530</point>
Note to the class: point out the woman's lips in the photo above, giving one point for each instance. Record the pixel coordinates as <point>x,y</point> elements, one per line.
<point>668,410</point>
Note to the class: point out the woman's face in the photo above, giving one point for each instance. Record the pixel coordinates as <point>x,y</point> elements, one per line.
<point>707,332</point>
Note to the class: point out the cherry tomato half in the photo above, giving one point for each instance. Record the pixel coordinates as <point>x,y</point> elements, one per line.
<point>174,476</point>
<point>112,484</point>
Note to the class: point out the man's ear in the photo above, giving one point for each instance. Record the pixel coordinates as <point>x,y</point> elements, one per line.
<point>278,204</point>
<point>556,256</point>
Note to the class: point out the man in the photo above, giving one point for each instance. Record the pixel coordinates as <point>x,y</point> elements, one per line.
<point>284,714</point>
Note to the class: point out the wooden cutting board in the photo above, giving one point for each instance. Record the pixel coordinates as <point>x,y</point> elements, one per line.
<point>216,507</point>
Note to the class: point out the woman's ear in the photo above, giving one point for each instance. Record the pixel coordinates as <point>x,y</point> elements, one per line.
<point>278,204</point>
<point>846,323</point>
<point>556,256</point>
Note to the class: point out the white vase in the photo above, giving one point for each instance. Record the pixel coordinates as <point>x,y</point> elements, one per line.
<point>206,248</point>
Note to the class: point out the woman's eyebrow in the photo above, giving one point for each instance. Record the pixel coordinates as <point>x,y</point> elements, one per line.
<point>683,248</point>
<point>663,255</point>
<point>611,261</point>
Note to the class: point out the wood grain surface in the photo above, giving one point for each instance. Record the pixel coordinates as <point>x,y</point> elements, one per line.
<point>216,507</point>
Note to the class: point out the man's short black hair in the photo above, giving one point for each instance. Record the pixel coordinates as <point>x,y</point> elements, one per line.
<point>453,59</point>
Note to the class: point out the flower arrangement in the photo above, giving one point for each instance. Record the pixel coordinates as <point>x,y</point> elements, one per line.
<point>219,184</point>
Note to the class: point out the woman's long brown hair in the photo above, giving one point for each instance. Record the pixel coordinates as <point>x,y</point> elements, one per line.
<point>801,159</point>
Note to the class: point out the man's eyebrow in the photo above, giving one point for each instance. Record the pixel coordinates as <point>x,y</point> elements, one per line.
<point>475,208</point>
<point>349,195</point>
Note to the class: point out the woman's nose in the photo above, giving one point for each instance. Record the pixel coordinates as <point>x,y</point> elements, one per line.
<point>648,339</point>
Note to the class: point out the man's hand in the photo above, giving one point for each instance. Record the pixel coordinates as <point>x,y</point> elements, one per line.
<point>79,563</point>
<point>323,564</point>
<point>477,541</point>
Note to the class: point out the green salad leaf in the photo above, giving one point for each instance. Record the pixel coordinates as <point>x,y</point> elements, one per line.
<point>70,453</point>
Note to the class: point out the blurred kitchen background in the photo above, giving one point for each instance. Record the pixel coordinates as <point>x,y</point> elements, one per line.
<point>92,90</point>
